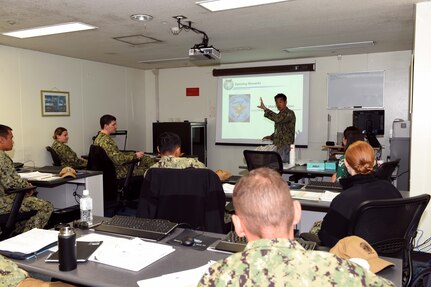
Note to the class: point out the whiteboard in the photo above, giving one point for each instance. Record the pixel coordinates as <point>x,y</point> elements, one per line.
<point>355,90</point>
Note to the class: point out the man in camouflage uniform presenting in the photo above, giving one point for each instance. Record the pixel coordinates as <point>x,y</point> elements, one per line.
<point>108,125</point>
<point>265,214</point>
<point>9,179</point>
<point>284,125</point>
<point>169,147</point>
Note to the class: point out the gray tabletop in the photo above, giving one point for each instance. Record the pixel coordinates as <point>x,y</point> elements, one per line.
<point>183,258</point>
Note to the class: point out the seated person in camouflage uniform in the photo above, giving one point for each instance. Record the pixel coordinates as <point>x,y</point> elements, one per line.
<point>10,179</point>
<point>265,214</point>
<point>11,275</point>
<point>108,125</point>
<point>67,156</point>
<point>169,147</point>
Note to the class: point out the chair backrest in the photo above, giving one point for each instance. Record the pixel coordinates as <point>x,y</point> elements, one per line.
<point>386,169</point>
<point>8,220</point>
<point>256,159</point>
<point>56,161</point>
<point>99,160</point>
<point>113,188</point>
<point>191,196</point>
<point>390,226</point>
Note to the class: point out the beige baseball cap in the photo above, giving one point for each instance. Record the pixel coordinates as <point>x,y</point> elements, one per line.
<point>68,171</point>
<point>356,247</point>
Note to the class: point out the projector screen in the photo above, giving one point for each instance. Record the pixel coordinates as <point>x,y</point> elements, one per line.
<point>240,121</point>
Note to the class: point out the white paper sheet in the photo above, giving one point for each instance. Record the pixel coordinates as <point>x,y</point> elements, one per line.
<point>131,254</point>
<point>30,241</point>
<point>41,176</point>
<point>187,278</point>
<point>316,196</point>
<point>228,188</point>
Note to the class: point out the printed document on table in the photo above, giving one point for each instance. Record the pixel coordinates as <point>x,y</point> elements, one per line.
<point>228,188</point>
<point>187,278</point>
<point>29,243</point>
<point>131,254</point>
<point>41,176</point>
<point>307,195</point>
<point>313,195</point>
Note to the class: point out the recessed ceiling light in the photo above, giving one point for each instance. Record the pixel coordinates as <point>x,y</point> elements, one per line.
<point>141,17</point>
<point>50,30</point>
<point>220,5</point>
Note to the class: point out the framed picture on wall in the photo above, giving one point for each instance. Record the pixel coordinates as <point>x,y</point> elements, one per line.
<point>55,103</point>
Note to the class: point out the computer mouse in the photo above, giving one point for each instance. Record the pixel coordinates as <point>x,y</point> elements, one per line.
<point>188,241</point>
<point>295,185</point>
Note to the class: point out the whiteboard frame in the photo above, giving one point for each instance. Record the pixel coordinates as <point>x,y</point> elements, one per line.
<point>379,91</point>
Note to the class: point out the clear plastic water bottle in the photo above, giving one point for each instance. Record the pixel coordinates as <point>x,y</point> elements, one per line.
<point>86,206</point>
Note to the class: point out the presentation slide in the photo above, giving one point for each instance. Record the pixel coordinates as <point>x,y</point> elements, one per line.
<point>240,121</point>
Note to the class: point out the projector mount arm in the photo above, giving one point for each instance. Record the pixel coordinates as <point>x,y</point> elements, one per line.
<point>189,27</point>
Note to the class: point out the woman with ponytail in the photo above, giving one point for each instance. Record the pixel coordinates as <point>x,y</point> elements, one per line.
<point>361,186</point>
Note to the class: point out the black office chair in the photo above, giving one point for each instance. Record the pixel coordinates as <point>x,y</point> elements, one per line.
<point>390,226</point>
<point>192,196</point>
<point>56,161</point>
<point>422,279</point>
<point>117,193</point>
<point>256,159</point>
<point>8,220</point>
<point>386,169</point>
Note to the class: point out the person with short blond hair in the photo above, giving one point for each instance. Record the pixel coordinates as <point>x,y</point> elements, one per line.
<point>265,214</point>
<point>360,187</point>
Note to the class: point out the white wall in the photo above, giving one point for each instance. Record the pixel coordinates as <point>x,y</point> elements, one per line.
<point>421,131</point>
<point>95,89</point>
<point>137,98</point>
<point>175,106</point>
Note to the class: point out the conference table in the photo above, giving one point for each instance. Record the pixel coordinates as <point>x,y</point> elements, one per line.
<point>62,192</point>
<point>183,258</point>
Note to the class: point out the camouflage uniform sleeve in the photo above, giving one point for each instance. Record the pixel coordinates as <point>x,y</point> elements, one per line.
<point>341,169</point>
<point>67,156</point>
<point>280,117</point>
<point>9,178</point>
<point>10,273</point>
<point>197,164</point>
<point>284,127</point>
<point>107,143</point>
<point>208,279</point>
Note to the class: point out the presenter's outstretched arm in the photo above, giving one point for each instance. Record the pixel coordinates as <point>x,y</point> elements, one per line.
<point>262,105</point>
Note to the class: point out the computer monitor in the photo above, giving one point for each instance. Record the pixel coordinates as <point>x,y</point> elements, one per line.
<point>120,138</point>
<point>370,121</point>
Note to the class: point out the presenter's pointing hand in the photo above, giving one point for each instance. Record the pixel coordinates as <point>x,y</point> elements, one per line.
<point>262,105</point>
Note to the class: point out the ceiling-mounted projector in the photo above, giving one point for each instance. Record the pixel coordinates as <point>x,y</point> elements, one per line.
<point>209,53</point>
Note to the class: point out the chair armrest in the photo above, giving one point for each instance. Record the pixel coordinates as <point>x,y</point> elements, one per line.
<point>20,190</point>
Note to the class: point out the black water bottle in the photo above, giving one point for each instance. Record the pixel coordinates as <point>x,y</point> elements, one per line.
<point>67,249</point>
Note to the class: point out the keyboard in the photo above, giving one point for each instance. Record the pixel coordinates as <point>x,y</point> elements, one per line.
<point>324,185</point>
<point>233,243</point>
<point>153,229</point>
